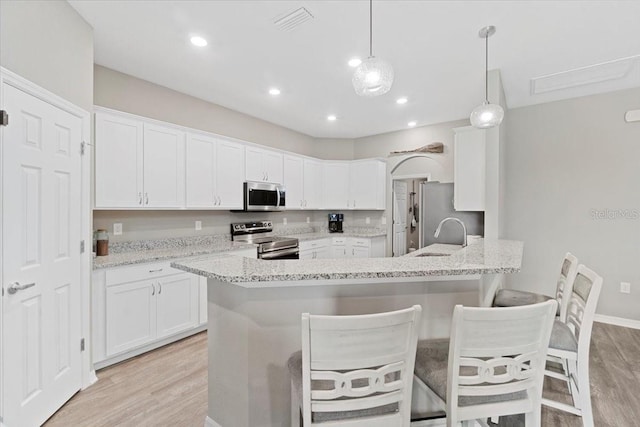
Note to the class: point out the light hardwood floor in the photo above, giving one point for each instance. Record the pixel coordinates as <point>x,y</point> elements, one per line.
<point>168,387</point>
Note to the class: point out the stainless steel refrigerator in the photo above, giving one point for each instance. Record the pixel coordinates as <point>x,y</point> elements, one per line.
<point>436,204</point>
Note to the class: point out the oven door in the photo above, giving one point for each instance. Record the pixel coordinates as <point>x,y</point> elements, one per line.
<point>289,253</point>
<point>259,196</point>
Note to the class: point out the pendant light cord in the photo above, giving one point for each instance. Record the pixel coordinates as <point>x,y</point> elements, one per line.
<point>370,28</point>
<point>486,68</point>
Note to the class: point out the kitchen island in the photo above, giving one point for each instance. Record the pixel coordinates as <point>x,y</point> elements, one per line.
<point>254,309</point>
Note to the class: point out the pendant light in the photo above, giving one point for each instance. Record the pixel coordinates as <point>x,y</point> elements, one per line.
<point>486,115</point>
<point>374,76</point>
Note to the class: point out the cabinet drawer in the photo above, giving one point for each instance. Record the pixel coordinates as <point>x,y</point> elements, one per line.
<point>311,244</point>
<point>138,272</point>
<point>339,241</point>
<point>364,243</point>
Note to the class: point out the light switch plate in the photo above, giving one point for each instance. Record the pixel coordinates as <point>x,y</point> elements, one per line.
<point>198,225</point>
<point>284,221</point>
<point>367,220</point>
<point>117,228</point>
<point>625,287</point>
<point>308,220</point>
<point>384,220</point>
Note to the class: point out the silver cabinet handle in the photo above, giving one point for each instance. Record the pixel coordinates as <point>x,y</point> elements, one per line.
<point>219,200</point>
<point>354,203</point>
<point>353,251</point>
<point>155,271</point>
<point>146,198</point>
<point>159,288</point>
<point>267,176</point>
<point>153,291</point>
<point>16,286</point>
<point>347,203</point>
<point>140,198</point>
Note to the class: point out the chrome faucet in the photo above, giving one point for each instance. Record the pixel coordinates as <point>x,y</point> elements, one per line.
<point>464,229</point>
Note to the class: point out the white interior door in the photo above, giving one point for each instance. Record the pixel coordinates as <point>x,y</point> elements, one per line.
<point>399,218</point>
<point>41,233</point>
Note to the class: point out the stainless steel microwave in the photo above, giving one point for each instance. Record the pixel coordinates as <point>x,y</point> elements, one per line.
<point>262,196</point>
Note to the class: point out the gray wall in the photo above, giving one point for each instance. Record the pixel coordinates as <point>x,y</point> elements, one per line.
<point>564,160</point>
<point>50,44</point>
<point>123,92</point>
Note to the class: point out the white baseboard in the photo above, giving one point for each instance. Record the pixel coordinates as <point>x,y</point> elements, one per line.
<point>618,321</point>
<point>208,422</point>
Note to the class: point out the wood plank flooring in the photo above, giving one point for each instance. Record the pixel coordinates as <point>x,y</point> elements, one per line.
<point>168,387</point>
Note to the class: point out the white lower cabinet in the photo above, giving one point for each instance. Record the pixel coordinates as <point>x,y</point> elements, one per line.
<point>315,249</point>
<point>138,308</point>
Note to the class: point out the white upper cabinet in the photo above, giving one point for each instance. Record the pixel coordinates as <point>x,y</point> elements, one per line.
<point>358,184</point>
<point>200,171</point>
<point>303,182</point>
<point>164,171</point>
<point>293,174</point>
<point>213,178</point>
<point>230,174</point>
<point>312,184</point>
<point>335,185</point>
<point>469,169</point>
<point>118,162</point>
<point>263,165</point>
<point>138,164</point>
<point>367,184</point>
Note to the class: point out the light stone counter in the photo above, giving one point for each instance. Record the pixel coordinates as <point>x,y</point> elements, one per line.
<point>480,257</point>
<point>254,308</point>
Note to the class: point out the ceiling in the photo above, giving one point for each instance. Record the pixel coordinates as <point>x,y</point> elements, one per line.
<point>433,46</point>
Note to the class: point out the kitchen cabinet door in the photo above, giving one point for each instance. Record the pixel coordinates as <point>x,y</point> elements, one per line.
<point>338,251</point>
<point>273,166</point>
<point>229,174</point>
<point>164,172</point>
<point>312,184</point>
<point>263,165</point>
<point>367,184</point>
<point>293,177</point>
<point>469,161</point>
<point>119,162</point>
<point>359,252</point>
<point>130,316</point>
<point>200,171</point>
<point>335,185</point>
<point>177,304</point>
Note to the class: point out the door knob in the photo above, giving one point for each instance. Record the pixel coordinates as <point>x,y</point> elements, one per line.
<point>16,286</point>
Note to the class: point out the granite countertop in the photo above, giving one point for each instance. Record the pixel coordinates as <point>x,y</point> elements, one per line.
<point>480,257</point>
<point>369,234</point>
<point>167,253</point>
<point>139,252</point>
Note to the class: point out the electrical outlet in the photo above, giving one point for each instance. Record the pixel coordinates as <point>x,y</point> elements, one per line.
<point>284,221</point>
<point>367,220</point>
<point>117,228</point>
<point>198,225</point>
<point>625,287</point>
<point>308,220</point>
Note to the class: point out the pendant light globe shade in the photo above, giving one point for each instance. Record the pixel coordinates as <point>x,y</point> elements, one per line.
<point>486,116</point>
<point>373,77</point>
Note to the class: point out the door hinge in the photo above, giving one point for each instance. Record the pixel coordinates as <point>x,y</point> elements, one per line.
<point>82,344</point>
<point>4,118</point>
<point>82,246</point>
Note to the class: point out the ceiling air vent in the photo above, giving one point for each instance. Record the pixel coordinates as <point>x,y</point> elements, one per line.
<point>293,20</point>
<point>598,73</point>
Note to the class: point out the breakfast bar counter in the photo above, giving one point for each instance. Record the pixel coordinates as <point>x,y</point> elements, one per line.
<point>254,309</point>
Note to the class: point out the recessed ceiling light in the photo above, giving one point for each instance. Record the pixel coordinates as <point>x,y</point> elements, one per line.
<point>402,100</point>
<point>198,41</point>
<point>274,91</point>
<point>411,124</point>
<point>354,62</point>
<point>331,118</point>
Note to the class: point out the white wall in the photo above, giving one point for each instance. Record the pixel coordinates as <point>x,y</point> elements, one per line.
<point>50,44</point>
<point>567,161</point>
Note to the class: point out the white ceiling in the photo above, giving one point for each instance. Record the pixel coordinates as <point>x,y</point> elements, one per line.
<point>433,46</point>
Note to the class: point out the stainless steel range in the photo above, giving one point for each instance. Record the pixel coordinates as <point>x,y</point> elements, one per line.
<point>269,246</point>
